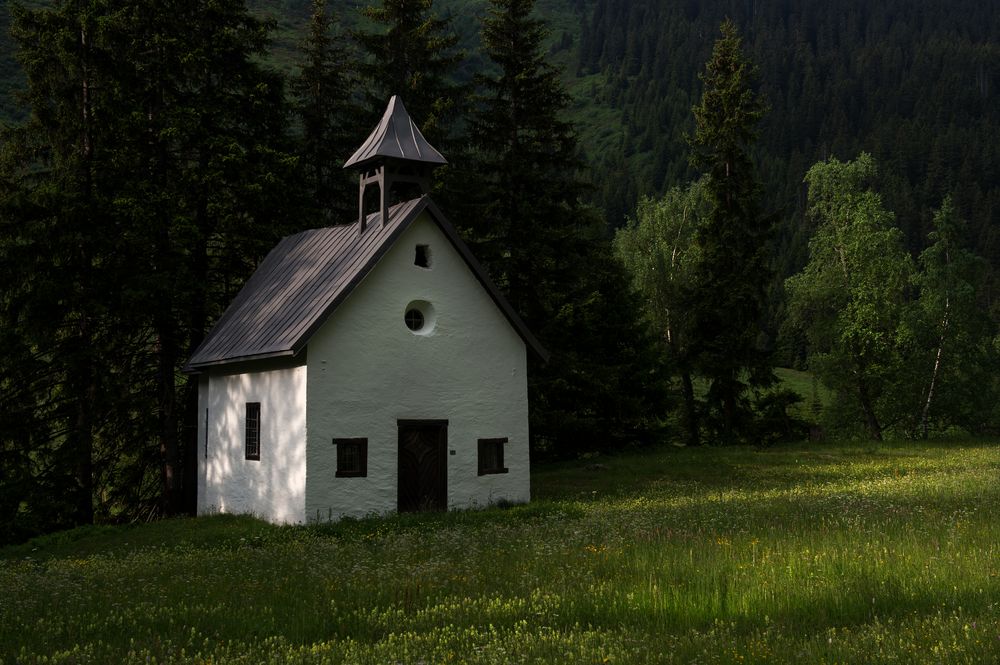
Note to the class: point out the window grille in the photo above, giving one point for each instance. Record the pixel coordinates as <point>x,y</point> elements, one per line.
<point>352,457</point>
<point>253,430</point>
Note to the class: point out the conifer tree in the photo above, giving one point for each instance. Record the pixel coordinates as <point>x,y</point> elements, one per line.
<point>322,91</point>
<point>213,189</point>
<point>551,254</point>
<point>412,53</point>
<point>729,299</point>
<point>529,172</point>
<point>56,233</point>
<point>151,175</point>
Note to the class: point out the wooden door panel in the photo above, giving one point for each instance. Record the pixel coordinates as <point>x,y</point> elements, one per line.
<point>423,480</point>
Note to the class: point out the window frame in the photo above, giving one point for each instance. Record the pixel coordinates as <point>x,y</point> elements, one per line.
<point>252,426</point>
<point>497,444</point>
<point>362,447</point>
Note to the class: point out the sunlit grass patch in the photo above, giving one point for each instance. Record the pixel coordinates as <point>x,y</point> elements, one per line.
<point>808,554</point>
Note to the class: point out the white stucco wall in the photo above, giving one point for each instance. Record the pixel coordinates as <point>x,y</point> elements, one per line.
<point>367,370</point>
<point>273,487</point>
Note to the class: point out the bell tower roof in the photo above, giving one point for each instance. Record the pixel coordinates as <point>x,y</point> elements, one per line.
<point>395,137</point>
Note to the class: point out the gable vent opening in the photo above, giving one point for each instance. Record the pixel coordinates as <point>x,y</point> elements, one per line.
<point>422,256</point>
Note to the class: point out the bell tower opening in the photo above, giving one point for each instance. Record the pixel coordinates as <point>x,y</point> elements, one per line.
<point>395,163</point>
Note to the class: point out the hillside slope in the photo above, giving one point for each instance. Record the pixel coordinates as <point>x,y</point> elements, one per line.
<point>915,82</point>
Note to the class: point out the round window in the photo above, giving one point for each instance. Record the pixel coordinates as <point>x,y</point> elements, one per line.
<point>419,317</point>
<point>414,319</point>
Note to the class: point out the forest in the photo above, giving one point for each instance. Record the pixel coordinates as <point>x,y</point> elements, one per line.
<point>678,197</point>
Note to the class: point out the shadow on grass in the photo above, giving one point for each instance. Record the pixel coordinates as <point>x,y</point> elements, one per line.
<point>353,528</point>
<point>231,531</point>
<point>709,475</point>
<point>121,539</point>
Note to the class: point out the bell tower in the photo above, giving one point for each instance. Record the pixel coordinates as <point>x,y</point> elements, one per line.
<point>395,153</point>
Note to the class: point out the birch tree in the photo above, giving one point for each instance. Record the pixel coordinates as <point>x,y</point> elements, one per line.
<point>658,249</point>
<point>958,362</point>
<point>850,299</point>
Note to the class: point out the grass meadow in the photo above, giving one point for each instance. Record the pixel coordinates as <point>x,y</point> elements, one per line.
<point>813,554</point>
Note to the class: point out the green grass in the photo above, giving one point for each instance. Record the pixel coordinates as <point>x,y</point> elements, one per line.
<point>790,554</point>
<point>815,396</point>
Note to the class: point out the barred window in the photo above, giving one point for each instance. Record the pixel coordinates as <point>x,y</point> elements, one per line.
<point>491,456</point>
<point>253,430</point>
<point>352,458</point>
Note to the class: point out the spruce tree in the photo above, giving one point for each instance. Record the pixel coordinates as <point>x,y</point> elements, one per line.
<point>59,236</point>
<point>213,188</point>
<point>529,173</point>
<point>551,254</point>
<point>322,91</point>
<point>412,53</point>
<point>152,174</point>
<point>728,301</point>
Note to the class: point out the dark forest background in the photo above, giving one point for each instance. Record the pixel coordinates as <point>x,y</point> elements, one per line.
<point>111,279</point>
<point>914,83</point>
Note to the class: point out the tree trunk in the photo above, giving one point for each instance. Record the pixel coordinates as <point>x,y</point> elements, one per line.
<point>170,500</point>
<point>934,373</point>
<point>690,409</point>
<point>81,439</point>
<point>196,305</point>
<point>729,409</point>
<point>196,325</point>
<point>871,418</point>
<point>82,379</point>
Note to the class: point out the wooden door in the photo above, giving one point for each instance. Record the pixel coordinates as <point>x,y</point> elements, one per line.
<point>423,465</point>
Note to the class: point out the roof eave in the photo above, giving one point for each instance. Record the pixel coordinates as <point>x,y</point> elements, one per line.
<point>198,367</point>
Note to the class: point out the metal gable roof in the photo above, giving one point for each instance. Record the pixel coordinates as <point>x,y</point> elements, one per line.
<point>307,275</point>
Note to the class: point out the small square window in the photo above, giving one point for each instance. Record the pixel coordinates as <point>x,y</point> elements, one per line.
<point>253,431</point>
<point>352,458</point>
<point>422,257</point>
<point>491,456</point>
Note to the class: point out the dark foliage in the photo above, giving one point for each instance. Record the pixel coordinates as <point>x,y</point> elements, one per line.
<point>914,83</point>
<point>152,172</point>
<point>411,52</point>
<point>321,92</point>
<point>727,300</point>
<point>549,253</point>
